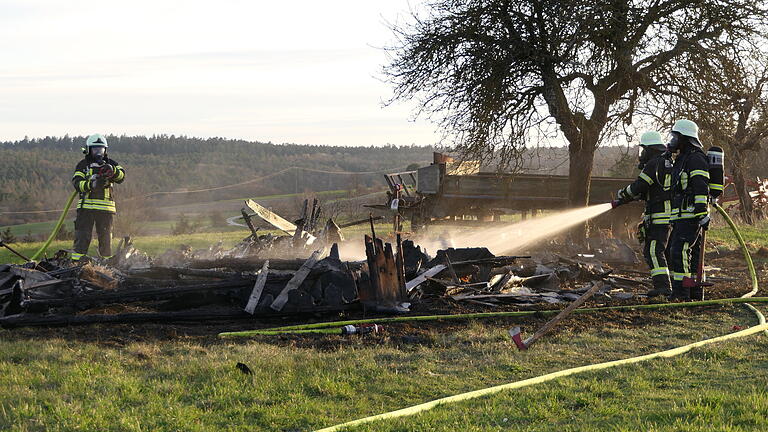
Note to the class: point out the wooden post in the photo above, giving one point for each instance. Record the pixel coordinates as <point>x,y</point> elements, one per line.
<point>296,280</point>
<point>258,287</point>
<point>563,314</point>
<point>400,264</point>
<point>373,230</point>
<point>386,274</point>
<point>248,222</point>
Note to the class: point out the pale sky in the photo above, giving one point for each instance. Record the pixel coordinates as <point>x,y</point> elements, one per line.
<point>292,71</point>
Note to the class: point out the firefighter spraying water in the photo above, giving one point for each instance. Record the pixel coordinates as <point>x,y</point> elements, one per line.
<point>685,188</point>
<point>653,186</point>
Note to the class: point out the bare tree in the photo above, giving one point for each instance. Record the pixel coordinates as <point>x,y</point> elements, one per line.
<point>500,74</point>
<point>724,88</point>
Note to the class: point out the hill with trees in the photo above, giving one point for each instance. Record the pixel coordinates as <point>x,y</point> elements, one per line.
<point>35,173</point>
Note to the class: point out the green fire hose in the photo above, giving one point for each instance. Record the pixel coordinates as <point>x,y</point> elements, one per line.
<point>333,327</point>
<point>745,251</point>
<point>747,258</point>
<point>56,228</point>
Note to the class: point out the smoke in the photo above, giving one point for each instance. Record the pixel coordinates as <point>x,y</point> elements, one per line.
<point>499,239</point>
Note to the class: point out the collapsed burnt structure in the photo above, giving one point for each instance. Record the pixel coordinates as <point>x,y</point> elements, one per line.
<point>298,273</point>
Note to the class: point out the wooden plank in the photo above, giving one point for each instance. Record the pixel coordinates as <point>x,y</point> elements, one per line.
<point>271,217</point>
<point>258,287</point>
<point>296,280</point>
<point>418,280</point>
<point>388,283</point>
<point>361,221</point>
<point>400,263</point>
<point>277,221</point>
<point>563,314</point>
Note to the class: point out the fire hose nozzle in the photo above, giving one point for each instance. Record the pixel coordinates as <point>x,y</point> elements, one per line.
<point>616,203</point>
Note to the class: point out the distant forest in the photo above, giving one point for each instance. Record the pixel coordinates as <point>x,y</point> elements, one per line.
<point>35,173</point>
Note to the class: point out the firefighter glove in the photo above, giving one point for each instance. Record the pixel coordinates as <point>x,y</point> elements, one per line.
<point>704,222</point>
<point>98,183</point>
<point>623,196</point>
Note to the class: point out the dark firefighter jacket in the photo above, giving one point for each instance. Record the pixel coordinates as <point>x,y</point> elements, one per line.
<point>690,190</point>
<point>97,199</point>
<point>653,185</point>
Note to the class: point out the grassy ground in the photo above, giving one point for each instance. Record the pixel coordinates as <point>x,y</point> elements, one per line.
<point>754,235</point>
<point>111,379</point>
<point>230,205</point>
<point>157,244</point>
<point>152,245</point>
<point>170,378</point>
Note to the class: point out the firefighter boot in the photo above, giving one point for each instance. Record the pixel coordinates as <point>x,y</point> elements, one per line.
<point>680,292</point>
<point>697,293</point>
<point>660,286</point>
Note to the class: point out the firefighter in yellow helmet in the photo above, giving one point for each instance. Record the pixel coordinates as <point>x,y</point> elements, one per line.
<point>94,178</point>
<point>653,187</point>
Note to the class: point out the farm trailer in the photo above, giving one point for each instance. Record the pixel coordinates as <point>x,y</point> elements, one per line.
<point>459,193</point>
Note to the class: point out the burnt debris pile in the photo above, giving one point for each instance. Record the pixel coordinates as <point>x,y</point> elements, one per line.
<point>301,273</point>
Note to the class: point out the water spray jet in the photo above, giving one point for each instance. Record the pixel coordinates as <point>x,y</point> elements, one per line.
<point>509,238</point>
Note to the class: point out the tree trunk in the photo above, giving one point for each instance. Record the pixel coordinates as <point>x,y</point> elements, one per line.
<point>739,173</point>
<point>581,158</point>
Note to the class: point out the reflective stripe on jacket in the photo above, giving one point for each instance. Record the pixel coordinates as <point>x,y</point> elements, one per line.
<point>654,186</point>
<point>98,199</point>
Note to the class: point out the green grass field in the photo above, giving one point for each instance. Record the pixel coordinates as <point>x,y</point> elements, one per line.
<point>230,206</point>
<point>114,379</point>
<point>183,378</point>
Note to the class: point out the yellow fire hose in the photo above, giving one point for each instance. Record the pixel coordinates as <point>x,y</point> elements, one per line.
<point>55,229</point>
<point>415,409</point>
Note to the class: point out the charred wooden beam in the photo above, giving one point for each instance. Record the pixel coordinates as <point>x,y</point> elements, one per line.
<point>247,264</point>
<point>134,295</point>
<point>175,272</point>
<point>498,261</point>
<point>386,274</point>
<point>360,222</point>
<point>31,320</point>
<point>249,223</point>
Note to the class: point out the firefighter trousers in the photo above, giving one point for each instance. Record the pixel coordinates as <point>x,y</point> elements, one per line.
<point>655,253</point>
<point>684,253</point>
<point>84,223</point>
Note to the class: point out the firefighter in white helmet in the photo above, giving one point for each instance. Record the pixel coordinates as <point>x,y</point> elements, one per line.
<point>690,208</point>
<point>94,178</point>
